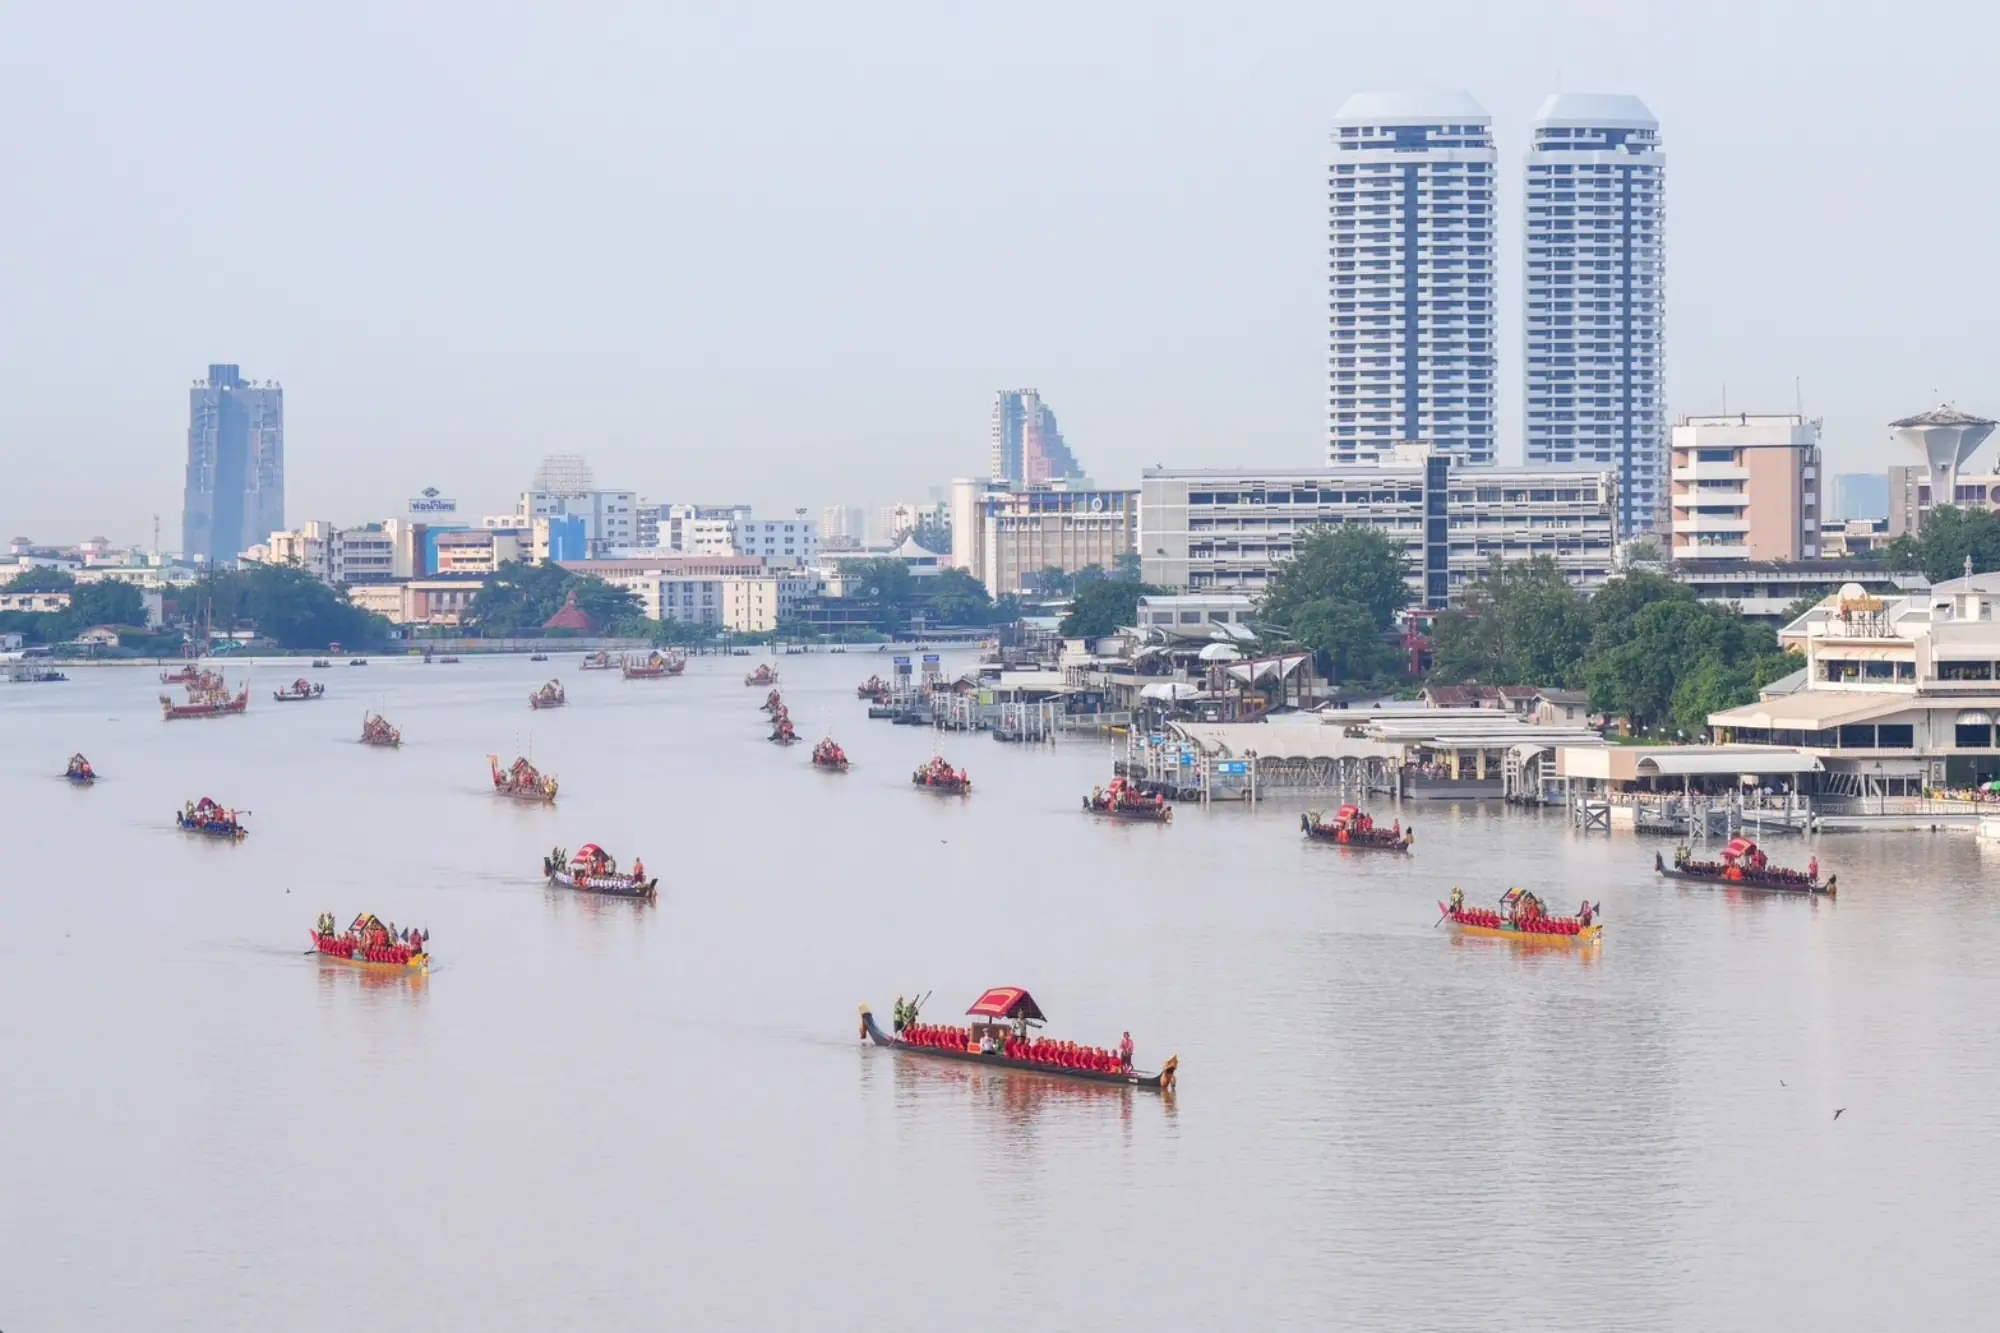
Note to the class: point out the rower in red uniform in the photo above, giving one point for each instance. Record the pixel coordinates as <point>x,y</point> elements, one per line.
<point>1125,1052</point>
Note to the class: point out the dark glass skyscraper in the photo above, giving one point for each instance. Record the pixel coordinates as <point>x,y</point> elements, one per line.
<point>235,466</point>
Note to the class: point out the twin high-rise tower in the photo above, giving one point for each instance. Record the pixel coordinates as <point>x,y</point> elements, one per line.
<point>1412,356</point>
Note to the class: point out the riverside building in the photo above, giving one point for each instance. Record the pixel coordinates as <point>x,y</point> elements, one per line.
<point>1897,694</point>
<point>1411,314</point>
<point>1594,297</point>
<point>1228,529</point>
<point>235,495</point>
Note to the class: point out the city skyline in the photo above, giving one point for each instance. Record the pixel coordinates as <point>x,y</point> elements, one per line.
<point>441,308</point>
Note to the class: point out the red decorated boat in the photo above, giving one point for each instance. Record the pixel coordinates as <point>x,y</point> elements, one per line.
<point>1522,919</point>
<point>522,782</point>
<point>80,771</point>
<point>206,703</point>
<point>774,703</point>
<point>298,690</point>
<point>187,675</point>
<point>1744,866</point>
<point>765,674</point>
<point>1122,800</point>
<point>829,756</point>
<point>375,730</point>
<point>598,662</point>
<point>875,689</point>
<point>1351,828</point>
<point>550,695</point>
<point>940,777</point>
<point>368,943</point>
<point>1003,1039</point>
<point>782,730</point>
<point>592,870</point>
<point>654,666</point>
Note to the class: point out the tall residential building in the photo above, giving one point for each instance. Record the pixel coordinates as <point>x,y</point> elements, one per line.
<point>1028,449</point>
<point>1746,487</point>
<point>235,494</point>
<point>1411,278</point>
<point>1595,296</point>
<point>844,523</point>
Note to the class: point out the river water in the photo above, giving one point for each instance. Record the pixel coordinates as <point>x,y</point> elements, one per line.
<point>599,1114</point>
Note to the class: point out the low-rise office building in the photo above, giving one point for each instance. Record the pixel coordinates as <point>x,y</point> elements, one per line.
<point>1227,530</point>
<point>1004,535</point>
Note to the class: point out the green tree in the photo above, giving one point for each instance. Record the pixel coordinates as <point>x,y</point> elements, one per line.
<point>1345,637</point>
<point>295,609</point>
<point>41,578</point>
<point>1050,582</point>
<point>518,598</point>
<point>957,598</point>
<point>1102,608</point>
<point>107,603</point>
<point>1949,535</point>
<point>1522,624</point>
<point>1348,563</point>
<point>1681,658</point>
<point>888,584</point>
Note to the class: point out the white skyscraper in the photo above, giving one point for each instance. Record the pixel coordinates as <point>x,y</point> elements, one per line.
<point>1411,317</point>
<point>1595,296</point>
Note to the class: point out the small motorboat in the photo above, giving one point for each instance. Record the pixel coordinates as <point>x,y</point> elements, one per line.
<point>320,664</point>
<point>357,661</point>
<point>298,690</point>
<point>538,657</point>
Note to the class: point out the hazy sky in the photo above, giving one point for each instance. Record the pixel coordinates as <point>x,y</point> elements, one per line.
<point>786,253</point>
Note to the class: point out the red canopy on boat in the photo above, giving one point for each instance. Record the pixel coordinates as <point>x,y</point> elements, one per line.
<point>1007,1002</point>
<point>1738,847</point>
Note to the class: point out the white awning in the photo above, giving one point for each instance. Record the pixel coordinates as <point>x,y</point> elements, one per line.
<point>1811,710</point>
<point>1168,689</point>
<point>1715,762</point>
<point>1269,668</point>
<point>1974,717</point>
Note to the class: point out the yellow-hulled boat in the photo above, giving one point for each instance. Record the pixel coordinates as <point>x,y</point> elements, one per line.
<point>1523,920</point>
<point>368,945</point>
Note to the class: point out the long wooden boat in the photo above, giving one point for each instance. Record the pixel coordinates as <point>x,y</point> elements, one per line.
<point>765,674</point>
<point>1729,876</point>
<point>298,691</point>
<point>829,756</point>
<point>1133,808</point>
<point>376,731</point>
<point>598,662</point>
<point>653,667</point>
<point>942,781</point>
<point>1165,1080</point>
<point>1350,828</point>
<point>551,695</point>
<point>216,705</point>
<point>1516,926</point>
<point>187,675</point>
<point>369,946</point>
<point>522,782</point>
<point>210,820</point>
<point>565,876</point>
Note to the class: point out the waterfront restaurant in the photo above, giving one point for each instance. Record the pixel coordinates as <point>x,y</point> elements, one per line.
<point>1898,695</point>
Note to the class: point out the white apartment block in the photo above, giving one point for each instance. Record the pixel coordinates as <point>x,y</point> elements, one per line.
<point>779,541</point>
<point>1411,315</point>
<point>1228,530</point>
<point>611,518</point>
<point>1594,299</point>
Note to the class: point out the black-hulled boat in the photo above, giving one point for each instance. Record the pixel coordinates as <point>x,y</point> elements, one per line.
<point>1742,867</point>
<point>1008,1012</point>
<point>594,872</point>
<point>1350,828</point>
